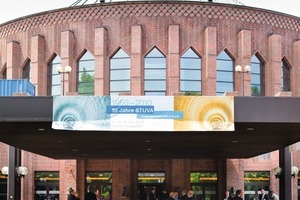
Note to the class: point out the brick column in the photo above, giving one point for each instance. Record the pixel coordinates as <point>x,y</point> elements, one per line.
<point>121,173</point>
<point>133,188</point>
<point>101,63</point>
<point>136,61</point>
<point>180,172</point>
<point>38,66</point>
<point>235,173</point>
<point>81,169</point>
<point>295,70</point>
<point>67,59</point>
<point>209,62</point>
<point>273,66</point>
<point>173,72</point>
<point>68,177</point>
<point>244,58</point>
<point>13,68</point>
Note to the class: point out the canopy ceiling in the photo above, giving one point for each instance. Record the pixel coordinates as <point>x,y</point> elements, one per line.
<point>262,124</point>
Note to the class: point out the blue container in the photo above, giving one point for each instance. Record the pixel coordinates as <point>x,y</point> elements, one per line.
<point>12,87</point>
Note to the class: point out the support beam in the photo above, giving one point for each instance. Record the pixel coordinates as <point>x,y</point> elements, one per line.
<point>14,182</point>
<point>285,184</point>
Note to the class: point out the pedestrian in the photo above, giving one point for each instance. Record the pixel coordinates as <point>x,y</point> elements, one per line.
<point>89,194</point>
<point>273,195</point>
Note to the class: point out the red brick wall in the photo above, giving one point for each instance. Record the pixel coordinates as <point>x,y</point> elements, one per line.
<point>172,27</point>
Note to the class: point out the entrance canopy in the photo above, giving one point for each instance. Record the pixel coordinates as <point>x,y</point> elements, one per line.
<point>262,124</point>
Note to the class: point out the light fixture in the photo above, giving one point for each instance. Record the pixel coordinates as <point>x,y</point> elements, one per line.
<point>63,71</point>
<point>239,69</point>
<point>294,171</point>
<point>66,69</point>
<point>4,171</point>
<point>277,171</point>
<point>22,171</point>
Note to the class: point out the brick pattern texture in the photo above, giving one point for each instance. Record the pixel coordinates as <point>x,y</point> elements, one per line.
<point>138,27</point>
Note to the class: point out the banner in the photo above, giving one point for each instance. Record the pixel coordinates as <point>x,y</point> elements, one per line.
<point>143,113</point>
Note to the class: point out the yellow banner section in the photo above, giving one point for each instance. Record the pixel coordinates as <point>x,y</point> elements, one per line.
<point>205,113</point>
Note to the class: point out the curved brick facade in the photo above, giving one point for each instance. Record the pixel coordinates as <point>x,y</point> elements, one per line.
<point>137,27</point>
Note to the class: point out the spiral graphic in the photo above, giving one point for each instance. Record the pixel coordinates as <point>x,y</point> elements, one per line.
<point>205,113</point>
<point>73,113</point>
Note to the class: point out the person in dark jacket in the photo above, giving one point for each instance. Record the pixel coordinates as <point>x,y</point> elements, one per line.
<point>71,195</point>
<point>153,195</point>
<point>90,195</point>
<point>191,195</point>
<point>238,194</point>
<point>263,195</point>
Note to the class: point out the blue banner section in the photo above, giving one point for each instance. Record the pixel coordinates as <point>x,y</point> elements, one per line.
<point>162,115</point>
<point>129,109</point>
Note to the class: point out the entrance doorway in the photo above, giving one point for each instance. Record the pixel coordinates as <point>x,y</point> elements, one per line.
<point>204,185</point>
<point>145,189</point>
<point>149,180</point>
<point>205,191</point>
<point>46,186</point>
<point>254,182</point>
<point>99,182</point>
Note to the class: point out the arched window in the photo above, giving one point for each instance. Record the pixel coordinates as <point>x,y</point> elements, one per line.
<point>285,77</point>
<point>53,77</point>
<point>85,78</point>
<point>155,73</point>
<point>190,72</point>
<point>257,77</point>
<point>120,73</point>
<point>225,78</point>
<point>27,71</point>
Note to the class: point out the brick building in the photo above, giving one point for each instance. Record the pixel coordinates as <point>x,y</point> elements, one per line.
<point>153,48</point>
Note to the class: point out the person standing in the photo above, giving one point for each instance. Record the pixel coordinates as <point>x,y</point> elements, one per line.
<point>227,195</point>
<point>238,194</point>
<point>244,197</point>
<point>153,195</point>
<point>183,195</point>
<point>90,195</point>
<point>71,195</point>
<point>190,195</point>
<point>263,195</point>
<point>273,195</point>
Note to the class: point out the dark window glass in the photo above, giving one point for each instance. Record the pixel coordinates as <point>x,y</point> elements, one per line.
<point>255,181</point>
<point>155,73</point>
<point>285,77</point>
<point>225,78</point>
<point>26,71</point>
<point>99,183</point>
<point>190,72</point>
<point>204,185</point>
<point>54,82</point>
<point>120,73</point>
<point>257,75</point>
<point>3,187</point>
<point>46,185</point>
<point>151,177</point>
<point>85,79</point>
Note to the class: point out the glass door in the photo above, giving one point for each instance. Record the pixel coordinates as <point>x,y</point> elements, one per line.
<point>100,183</point>
<point>46,186</point>
<point>149,180</point>
<point>254,182</point>
<point>204,185</point>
